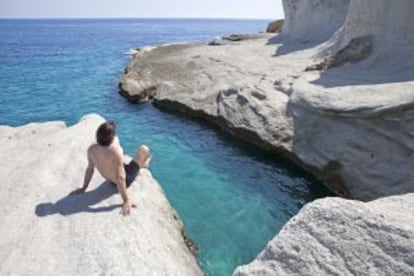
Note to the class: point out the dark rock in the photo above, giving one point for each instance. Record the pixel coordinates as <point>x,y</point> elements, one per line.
<point>275,26</point>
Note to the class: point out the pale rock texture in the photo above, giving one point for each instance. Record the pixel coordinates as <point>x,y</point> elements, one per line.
<point>313,20</point>
<point>46,232</point>
<point>357,130</point>
<point>335,236</point>
<point>390,23</point>
<point>355,122</point>
<point>350,125</point>
<point>227,84</point>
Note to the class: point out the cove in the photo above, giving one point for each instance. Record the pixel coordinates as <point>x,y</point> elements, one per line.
<point>233,198</point>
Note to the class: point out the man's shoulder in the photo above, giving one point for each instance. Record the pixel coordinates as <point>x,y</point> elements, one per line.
<point>92,148</point>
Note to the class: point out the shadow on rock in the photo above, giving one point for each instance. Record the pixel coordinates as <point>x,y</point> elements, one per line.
<point>72,204</point>
<point>338,77</point>
<point>289,46</point>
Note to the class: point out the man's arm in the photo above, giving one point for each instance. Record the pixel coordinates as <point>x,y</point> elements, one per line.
<point>88,176</point>
<point>121,182</point>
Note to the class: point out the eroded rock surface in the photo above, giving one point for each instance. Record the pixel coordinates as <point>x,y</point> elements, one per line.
<point>391,26</point>
<point>349,123</point>
<point>334,236</point>
<point>46,232</point>
<point>232,85</point>
<point>316,20</point>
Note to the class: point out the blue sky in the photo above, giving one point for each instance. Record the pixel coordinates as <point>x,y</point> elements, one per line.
<point>267,9</point>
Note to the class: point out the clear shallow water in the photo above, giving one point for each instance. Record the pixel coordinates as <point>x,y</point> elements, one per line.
<point>232,198</point>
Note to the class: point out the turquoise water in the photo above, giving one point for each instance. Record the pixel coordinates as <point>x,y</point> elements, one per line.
<point>232,198</point>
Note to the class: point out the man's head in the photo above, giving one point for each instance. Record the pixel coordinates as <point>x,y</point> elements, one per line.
<point>106,133</point>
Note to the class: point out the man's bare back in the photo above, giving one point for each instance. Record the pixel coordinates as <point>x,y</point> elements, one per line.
<point>107,156</point>
<point>107,160</point>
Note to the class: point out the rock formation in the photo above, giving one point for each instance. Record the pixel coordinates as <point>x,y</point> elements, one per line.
<point>46,232</point>
<point>340,106</point>
<point>334,236</point>
<point>369,95</point>
<point>227,86</point>
<point>319,119</point>
<point>275,26</point>
<point>390,24</point>
<point>311,21</point>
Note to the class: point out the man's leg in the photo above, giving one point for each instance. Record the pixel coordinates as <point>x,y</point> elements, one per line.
<point>143,156</point>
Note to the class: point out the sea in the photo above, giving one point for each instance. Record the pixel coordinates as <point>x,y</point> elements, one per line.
<point>232,197</point>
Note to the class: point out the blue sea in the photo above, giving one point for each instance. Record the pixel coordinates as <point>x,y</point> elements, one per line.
<point>232,197</point>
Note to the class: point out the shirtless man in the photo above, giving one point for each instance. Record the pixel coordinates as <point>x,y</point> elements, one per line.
<point>107,156</point>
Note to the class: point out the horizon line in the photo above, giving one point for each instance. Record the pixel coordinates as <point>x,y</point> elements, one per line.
<point>75,18</point>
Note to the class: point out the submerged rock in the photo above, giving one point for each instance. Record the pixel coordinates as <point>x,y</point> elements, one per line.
<point>334,236</point>
<point>44,231</point>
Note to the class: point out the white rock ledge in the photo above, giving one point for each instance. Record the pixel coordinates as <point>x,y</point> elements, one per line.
<point>46,232</point>
<point>335,236</point>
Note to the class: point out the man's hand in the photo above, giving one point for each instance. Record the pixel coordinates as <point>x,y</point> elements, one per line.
<point>78,191</point>
<point>126,207</point>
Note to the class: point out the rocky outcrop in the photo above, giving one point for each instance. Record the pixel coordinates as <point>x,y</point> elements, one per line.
<point>227,85</point>
<point>390,24</point>
<point>334,236</point>
<point>275,26</point>
<point>46,232</point>
<point>356,129</point>
<point>369,93</point>
<point>313,21</point>
<point>343,109</point>
<point>242,37</point>
<point>319,115</point>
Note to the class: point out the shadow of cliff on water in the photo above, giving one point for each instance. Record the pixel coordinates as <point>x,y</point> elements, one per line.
<point>72,204</point>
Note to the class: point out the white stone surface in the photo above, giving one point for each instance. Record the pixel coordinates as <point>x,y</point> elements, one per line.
<point>232,84</point>
<point>313,20</point>
<point>44,231</point>
<point>335,236</point>
<point>351,126</point>
<point>392,26</point>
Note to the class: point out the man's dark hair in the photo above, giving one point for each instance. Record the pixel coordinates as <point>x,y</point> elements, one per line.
<point>106,133</point>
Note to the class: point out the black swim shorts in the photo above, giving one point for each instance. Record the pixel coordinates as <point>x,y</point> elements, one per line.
<point>131,171</point>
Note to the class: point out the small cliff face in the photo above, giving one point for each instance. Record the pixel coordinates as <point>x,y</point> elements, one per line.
<point>46,232</point>
<point>334,236</point>
<point>314,20</point>
<point>354,121</point>
<point>225,84</point>
<point>389,23</point>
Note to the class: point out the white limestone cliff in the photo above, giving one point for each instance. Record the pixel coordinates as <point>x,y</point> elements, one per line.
<point>335,236</point>
<point>44,231</point>
<point>389,23</point>
<point>353,119</point>
<point>313,20</point>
